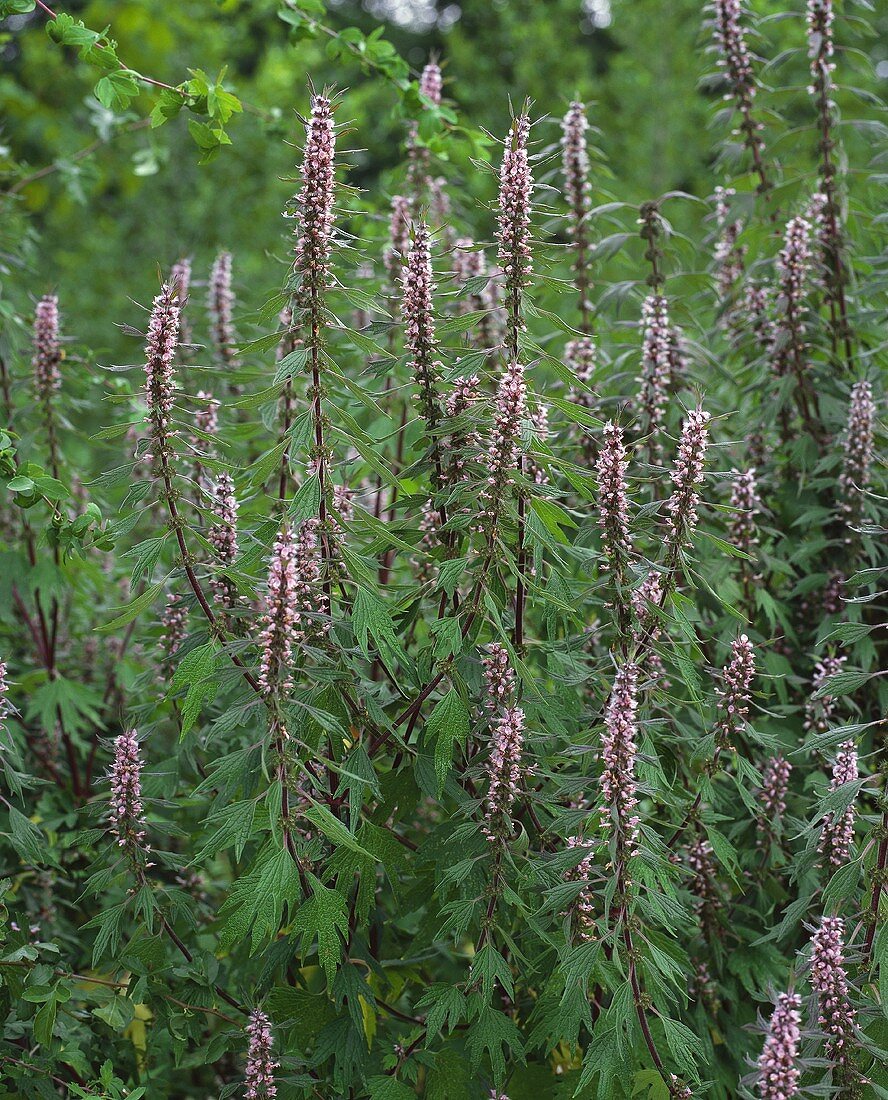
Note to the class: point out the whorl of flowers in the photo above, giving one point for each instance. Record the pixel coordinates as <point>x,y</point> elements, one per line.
<point>206,417</point>
<point>704,883</point>
<point>829,981</point>
<point>618,752</point>
<point>513,223</point>
<point>757,307</point>
<point>837,835</point>
<point>579,357</point>
<point>733,703</point>
<point>314,211</point>
<point>160,351</point>
<point>819,18</point>
<point>220,305</point>
<point>47,347</point>
<point>736,61</point>
<point>746,504</point>
<point>259,1079</point>
<point>499,679</point>
<point>858,450</point>
<point>504,771</point>
<point>575,163</point>
<point>439,207</point>
<point>793,269</point>
<point>343,501</point>
<point>539,424</point>
<point>687,476</point>
<point>464,396</point>
<point>223,536</point>
<point>729,254</point>
<point>174,623</point>
<point>818,712</point>
<point>656,359</point>
<point>419,322</point>
<point>613,501</point>
<point>510,410</point>
<point>583,907</point>
<point>399,239</point>
<point>779,1072</point>
<point>126,810</point>
<point>772,793</point>
<point>431,83</point>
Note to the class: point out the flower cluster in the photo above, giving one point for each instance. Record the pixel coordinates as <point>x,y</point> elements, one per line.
<point>259,1078</point>
<point>818,712</point>
<point>772,793</point>
<point>419,181</point>
<point>314,213</point>
<point>579,357</point>
<point>499,679</point>
<point>819,18</point>
<point>504,769</point>
<point>656,361</point>
<point>399,240</point>
<point>468,262</point>
<point>736,61</point>
<point>222,535</point>
<point>160,352</point>
<point>174,623</point>
<point>779,1072</point>
<point>858,451</point>
<point>513,223</point>
<point>686,476</point>
<point>733,703</point>
<point>583,907</point>
<point>220,306</point>
<point>126,809</point>
<point>575,163</point>
<point>837,834</point>
<point>830,982</point>
<point>502,454</point>
<point>463,397</point>
<point>793,269</point>
<point>47,354</point>
<point>746,505</point>
<point>613,502</point>
<point>703,885</point>
<point>618,753</point>
<point>5,706</point>
<point>419,323</point>
<point>729,253</point>
<point>180,281</point>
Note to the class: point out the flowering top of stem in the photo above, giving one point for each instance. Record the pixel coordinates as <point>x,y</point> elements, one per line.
<point>837,835</point>
<point>819,18</point>
<point>613,500</point>
<point>575,163</point>
<point>746,503</point>
<point>126,810</point>
<point>160,351</point>
<point>793,268</point>
<point>734,56</point>
<point>729,253</point>
<point>399,239</point>
<point>656,360</point>
<point>220,305</point>
<point>858,450</point>
<point>734,698</point>
<point>583,908</point>
<point>579,356</point>
<point>779,1072</point>
<point>279,629</point>
<point>314,215</point>
<point>772,794</point>
<point>431,83</point>
<point>502,454</point>
<point>818,712</point>
<point>830,982</point>
<point>223,535</point>
<point>419,322</point>
<point>499,678</point>
<point>47,347</point>
<point>174,622</point>
<point>618,752</point>
<point>180,281</point>
<point>513,223</point>
<point>686,476</point>
<point>259,1079</point>
<point>504,772</point>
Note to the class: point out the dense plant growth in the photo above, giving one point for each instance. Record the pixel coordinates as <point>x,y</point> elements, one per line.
<point>460,671</point>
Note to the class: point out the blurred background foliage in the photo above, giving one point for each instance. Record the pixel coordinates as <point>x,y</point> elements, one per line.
<point>141,199</point>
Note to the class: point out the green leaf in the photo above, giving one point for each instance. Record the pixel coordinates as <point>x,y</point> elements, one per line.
<point>325,917</point>
<point>133,608</point>
<point>491,1032</point>
<point>256,902</point>
<point>334,829</point>
<point>370,618</point>
<point>448,724</point>
<point>118,89</point>
<point>196,671</point>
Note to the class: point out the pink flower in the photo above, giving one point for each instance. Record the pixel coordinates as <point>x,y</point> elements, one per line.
<point>431,83</point>
<point>746,503</point>
<point>419,323</point>
<point>779,1073</point>
<point>733,704</point>
<point>579,357</point>
<point>510,410</point>
<point>818,712</point>
<point>656,363</point>
<point>314,212</point>
<point>513,224</point>
<point>504,772</point>
<point>582,909</point>
<point>613,501</point>
<point>126,810</point>
<point>223,536</point>
<point>259,1080</point>
<point>830,982</point>
<point>175,625</point>
<point>47,348</point>
<point>729,253</point>
<point>687,475</point>
<point>220,305</point>
<point>793,269</point>
<point>499,679</point>
<point>575,163</point>
<point>618,752</point>
<point>858,451</point>
<point>819,20</point>
<point>180,281</point>
<point>837,835</point>
<point>160,352</point>
<point>772,795</point>
<point>395,255</point>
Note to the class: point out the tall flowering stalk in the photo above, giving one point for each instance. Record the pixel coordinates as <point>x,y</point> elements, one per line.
<point>772,795</point>
<point>510,410</point>
<point>395,255</point>
<point>687,476</point>
<point>819,22</point>
<point>259,1082</point>
<point>729,254</point>
<point>46,362</point>
<point>206,422</point>
<point>499,679</point>
<point>656,360</point>
<point>790,347</point>
<point>837,835</point>
<point>126,810</point>
<point>858,453</point>
<point>220,307</point>
<point>819,709</point>
<point>312,267</point>
<point>778,1064</point>
<point>582,909</point>
<point>746,504</point>
<point>223,538</point>
<point>618,753</point>
<point>613,518</point>
<point>575,169</point>
<point>829,981</point>
<point>504,771</point>
<point>419,182</point>
<point>736,61</point>
<point>160,380</point>
<point>419,336</point>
